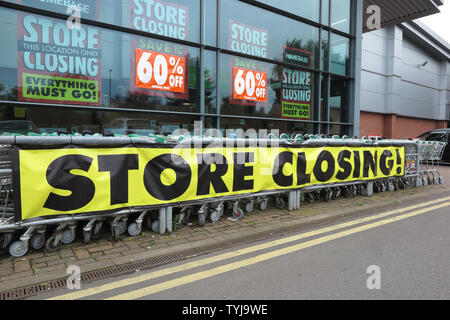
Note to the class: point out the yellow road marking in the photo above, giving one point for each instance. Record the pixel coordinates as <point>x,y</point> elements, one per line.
<point>136,294</point>
<point>187,266</point>
<point>160,273</point>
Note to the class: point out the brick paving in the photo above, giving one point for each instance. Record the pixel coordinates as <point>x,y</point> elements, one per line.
<point>37,267</point>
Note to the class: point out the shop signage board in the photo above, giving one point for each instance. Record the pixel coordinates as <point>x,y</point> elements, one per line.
<point>58,63</point>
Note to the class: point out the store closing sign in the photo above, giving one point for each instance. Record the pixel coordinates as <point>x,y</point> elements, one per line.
<point>296,86</point>
<point>159,17</point>
<point>73,180</point>
<point>56,63</point>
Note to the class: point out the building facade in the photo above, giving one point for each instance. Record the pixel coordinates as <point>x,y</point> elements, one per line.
<point>153,66</point>
<point>405,81</point>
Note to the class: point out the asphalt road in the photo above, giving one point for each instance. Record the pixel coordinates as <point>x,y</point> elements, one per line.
<point>404,253</point>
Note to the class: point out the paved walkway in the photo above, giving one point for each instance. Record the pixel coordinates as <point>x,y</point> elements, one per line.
<point>38,267</point>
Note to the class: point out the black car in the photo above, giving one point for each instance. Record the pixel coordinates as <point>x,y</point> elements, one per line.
<point>441,135</point>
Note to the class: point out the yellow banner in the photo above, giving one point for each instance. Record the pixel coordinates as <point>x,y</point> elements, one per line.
<point>95,180</point>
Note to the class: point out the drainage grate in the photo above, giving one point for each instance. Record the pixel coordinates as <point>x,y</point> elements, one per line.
<point>128,268</point>
<point>149,263</point>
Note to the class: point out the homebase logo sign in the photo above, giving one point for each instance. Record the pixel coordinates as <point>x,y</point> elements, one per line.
<point>87,8</point>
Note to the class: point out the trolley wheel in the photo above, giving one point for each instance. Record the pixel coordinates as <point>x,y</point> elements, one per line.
<point>214,216</point>
<point>68,236</point>
<point>5,240</point>
<point>115,233</point>
<point>134,229</point>
<point>279,203</point>
<point>179,220</point>
<point>327,195</point>
<point>348,192</point>
<point>238,213</point>
<point>37,241</point>
<point>441,180</point>
<point>383,186</point>
<point>310,197</point>
<point>98,234</point>
<point>122,226</point>
<point>86,236</point>
<point>407,183</point>
<point>155,226</point>
<point>337,193</point>
<point>51,246</point>
<point>249,207</point>
<point>424,181</point>
<point>18,249</point>
<point>419,182</point>
<point>362,190</point>
<point>201,219</point>
<point>436,180</point>
<point>263,205</point>
<point>376,187</point>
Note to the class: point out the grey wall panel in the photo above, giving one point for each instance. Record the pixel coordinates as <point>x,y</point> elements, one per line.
<point>420,102</point>
<point>373,82</point>
<point>373,101</point>
<point>373,62</point>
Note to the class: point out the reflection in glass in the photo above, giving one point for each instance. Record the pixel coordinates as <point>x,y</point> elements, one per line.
<point>246,126</point>
<point>340,15</point>
<point>288,92</point>
<point>244,29</point>
<point>305,9</point>
<point>339,100</point>
<point>340,54</point>
<point>51,120</point>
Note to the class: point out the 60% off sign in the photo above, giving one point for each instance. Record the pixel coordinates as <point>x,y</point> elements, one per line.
<point>160,71</point>
<point>249,85</point>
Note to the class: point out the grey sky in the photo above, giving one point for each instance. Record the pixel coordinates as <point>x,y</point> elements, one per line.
<point>440,23</point>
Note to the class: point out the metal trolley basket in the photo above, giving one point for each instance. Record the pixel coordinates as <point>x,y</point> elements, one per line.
<point>16,237</point>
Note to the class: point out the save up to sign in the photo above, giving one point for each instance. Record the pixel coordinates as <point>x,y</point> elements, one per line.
<point>159,71</point>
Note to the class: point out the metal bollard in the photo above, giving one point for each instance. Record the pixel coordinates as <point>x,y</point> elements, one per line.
<point>169,219</point>
<point>162,220</point>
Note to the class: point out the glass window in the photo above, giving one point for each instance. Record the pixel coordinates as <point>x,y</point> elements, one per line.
<point>174,19</point>
<point>340,130</point>
<point>340,54</point>
<point>51,120</point>
<point>241,127</point>
<point>339,100</point>
<point>245,29</point>
<point>326,12</point>
<point>340,15</point>
<point>259,89</point>
<point>46,62</point>
<point>325,51</point>
<point>210,23</point>
<point>306,9</point>
<point>209,69</point>
<point>324,99</point>
<point>434,136</point>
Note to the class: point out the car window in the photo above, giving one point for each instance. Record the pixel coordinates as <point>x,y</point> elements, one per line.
<point>435,136</point>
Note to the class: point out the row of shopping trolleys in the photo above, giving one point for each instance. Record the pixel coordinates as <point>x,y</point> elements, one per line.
<point>17,238</point>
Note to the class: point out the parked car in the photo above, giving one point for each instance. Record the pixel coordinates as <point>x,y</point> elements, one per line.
<point>17,126</point>
<point>441,135</point>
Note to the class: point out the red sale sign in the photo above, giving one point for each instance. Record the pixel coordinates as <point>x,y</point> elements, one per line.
<point>160,71</point>
<point>249,85</point>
